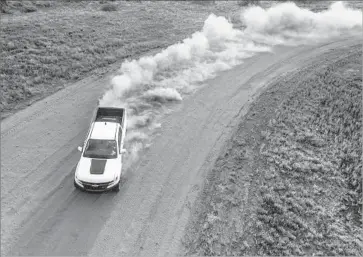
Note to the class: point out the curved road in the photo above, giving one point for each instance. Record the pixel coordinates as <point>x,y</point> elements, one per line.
<point>42,213</point>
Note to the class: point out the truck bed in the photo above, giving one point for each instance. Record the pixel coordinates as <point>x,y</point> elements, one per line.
<point>110,114</point>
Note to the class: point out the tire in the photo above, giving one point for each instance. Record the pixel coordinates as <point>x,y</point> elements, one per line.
<point>77,186</point>
<point>117,187</point>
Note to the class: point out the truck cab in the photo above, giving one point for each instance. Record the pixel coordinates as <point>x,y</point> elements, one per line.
<point>100,164</point>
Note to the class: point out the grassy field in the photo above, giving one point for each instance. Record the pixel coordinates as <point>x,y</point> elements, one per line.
<point>289,181</point>
<point>313,197</point>
<point>49,44</point>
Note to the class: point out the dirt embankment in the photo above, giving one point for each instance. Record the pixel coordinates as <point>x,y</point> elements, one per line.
<point>289,180</point>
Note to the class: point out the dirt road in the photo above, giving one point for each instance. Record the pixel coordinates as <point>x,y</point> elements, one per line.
<point>42,213</point>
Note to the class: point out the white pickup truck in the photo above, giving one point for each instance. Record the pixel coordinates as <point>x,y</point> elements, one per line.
<point>100,165</point>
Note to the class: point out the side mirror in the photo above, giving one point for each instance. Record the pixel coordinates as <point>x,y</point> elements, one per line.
<point>123,151</point>
<point>79,148</point>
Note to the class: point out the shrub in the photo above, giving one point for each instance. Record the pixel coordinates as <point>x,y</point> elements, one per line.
<point>248,2</point>
<point>28,9</point>
<point>109,8</point>
<point>43,4</point>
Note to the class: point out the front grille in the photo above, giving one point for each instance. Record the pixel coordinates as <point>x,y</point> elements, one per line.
<point>95,186</point>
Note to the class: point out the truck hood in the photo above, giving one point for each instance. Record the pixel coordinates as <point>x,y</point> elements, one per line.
<point>98,170</point>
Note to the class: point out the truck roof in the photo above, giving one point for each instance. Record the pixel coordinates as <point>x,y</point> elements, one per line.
<point>104,130</point>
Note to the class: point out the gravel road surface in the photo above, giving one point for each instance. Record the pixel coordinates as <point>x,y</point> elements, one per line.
<point>42,212</point>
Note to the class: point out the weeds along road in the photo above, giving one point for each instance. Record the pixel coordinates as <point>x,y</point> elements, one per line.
<point>42,213</point>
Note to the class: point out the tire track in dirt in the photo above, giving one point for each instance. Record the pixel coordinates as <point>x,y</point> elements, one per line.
<point>154,203</point>
<point>203,236</point>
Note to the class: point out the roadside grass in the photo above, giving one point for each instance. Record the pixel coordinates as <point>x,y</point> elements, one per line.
<point>66,41</point>
<point>17,6</point>
<point>109,8</point>
<point>312,201</point>
<point>289,180</point>
<point>47,45</point>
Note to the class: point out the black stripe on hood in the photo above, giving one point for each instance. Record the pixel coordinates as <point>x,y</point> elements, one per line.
<point>97,166</point>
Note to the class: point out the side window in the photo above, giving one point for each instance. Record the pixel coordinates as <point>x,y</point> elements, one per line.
<point>119,136</point>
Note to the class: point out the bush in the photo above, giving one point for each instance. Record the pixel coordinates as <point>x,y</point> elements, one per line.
<point>10,7</point>
<point>43,4</point>
<point>109,8</point>
<point>248,2</point>
<point>28,9</point>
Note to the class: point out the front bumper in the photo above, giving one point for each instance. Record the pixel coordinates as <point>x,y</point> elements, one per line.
<point>95,187</point>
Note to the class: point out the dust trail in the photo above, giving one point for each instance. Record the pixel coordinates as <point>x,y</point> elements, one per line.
<point>149,86</point>
<point>286,23</point>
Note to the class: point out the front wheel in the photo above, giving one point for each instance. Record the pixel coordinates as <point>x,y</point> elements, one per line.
<point>117,187</point>
<point>77,186</point>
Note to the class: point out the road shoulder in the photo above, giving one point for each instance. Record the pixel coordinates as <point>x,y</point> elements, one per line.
<point>245,200</point>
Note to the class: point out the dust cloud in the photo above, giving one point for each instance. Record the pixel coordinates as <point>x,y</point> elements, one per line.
<point>147,87</point>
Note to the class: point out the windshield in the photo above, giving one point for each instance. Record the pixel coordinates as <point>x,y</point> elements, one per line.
<point>102,149</point>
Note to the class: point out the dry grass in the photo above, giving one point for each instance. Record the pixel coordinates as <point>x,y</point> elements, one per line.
<point>312,202</point>
<point>47,45</point>
<point>16,6</point>
<point>248,2</point>
<point>109,8</point>
<point>289,181</point>
<point>45,50</point>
